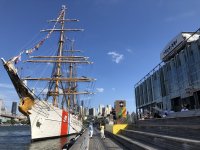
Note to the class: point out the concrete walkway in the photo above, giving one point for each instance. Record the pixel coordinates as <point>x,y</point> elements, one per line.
<point>96,143</point>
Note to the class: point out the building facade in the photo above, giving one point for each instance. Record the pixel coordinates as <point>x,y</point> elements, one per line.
<point>1,105</point>
<point>108,109</point>
<point>92,112</point>
<point>120,108</point>
<point>2,111</point>
<point>174,83</point>
<point>101,109</point>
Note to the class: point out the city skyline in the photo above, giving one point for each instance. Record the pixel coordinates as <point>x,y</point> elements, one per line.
<point>120,38</point>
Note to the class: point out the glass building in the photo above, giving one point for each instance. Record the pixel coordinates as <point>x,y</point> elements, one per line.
<point>175,82</point>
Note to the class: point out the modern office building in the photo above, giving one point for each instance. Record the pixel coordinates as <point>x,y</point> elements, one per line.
<point>92,112</point>
<point>175,82</point>
<point>85,111</point>
<point>101,107</point>
<point>14,108</point>
<point>82,103</point>
<point>108,109</point>
<point>2,111</point>
<point>2,107</point>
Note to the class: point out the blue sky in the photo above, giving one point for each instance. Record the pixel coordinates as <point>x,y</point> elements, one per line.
<point>123,38</point>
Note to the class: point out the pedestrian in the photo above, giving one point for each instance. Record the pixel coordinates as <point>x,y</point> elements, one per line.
<point>91,130</point>
<point>102,131</point>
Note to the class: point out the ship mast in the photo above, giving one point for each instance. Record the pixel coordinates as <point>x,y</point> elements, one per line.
<point>59,85</point>
<point>60,52</point>
<point>72,99</point>
<point>72,74</point>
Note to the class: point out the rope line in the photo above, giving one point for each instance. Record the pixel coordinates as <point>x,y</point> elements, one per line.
<point>17,58</point>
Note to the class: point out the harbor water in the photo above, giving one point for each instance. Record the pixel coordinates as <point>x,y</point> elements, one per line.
<point>19,138</point>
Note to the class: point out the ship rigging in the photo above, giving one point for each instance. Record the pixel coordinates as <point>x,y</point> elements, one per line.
<point>50,112</point>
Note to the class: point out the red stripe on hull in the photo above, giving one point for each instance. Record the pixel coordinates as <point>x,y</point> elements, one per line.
<point>64,124</point>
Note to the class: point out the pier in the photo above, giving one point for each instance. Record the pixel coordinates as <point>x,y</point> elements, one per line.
<point>12,116</point>
<point>96,143</point>
<point>152,134</point>
<point>103,144</point>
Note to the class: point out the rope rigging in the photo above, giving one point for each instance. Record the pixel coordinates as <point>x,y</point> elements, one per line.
<point>17,58</point>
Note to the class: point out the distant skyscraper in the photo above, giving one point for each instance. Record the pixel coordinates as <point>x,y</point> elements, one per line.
<point>82,103</point>
<point>14,108</point>
<point>86,111</point>
<point>78,109</point>
<point>1,105</point>
<point>2,111</point>
<point>101,109</point>
<point>92,112</point>
<point>97,112</point>
<point>108,109</point>
<point>81,110</point>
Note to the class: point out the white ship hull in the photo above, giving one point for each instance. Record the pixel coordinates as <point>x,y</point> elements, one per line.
<point>48,121</point>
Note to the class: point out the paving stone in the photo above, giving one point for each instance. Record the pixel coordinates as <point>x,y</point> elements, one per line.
<point>96,143</point>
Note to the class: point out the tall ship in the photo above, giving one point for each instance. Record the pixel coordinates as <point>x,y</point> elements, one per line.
<point>53,113</point>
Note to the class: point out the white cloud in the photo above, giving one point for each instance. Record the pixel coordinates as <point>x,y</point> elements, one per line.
<point>100,90</point>
<point>3,96</point>
<point>44,91</point>
<point>129,50</point>
<point>9,95</point>
<point>113,89</point>
<point>116,57</point>
<point>8,86</point>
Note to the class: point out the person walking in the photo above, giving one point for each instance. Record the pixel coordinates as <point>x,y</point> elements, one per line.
<point>102,132</point>
<point>91,130</point>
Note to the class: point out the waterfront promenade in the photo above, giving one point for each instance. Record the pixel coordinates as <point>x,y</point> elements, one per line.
<point>96,143</point>
<point>152,134</point>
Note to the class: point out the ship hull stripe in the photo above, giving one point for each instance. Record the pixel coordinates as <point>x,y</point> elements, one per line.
<point>50,121</point>
<point>64,124</point>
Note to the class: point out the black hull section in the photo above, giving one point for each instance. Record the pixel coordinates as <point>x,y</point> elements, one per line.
<point>54,137</point>
<point>20,87</point>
